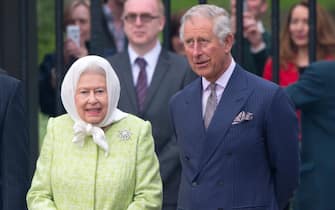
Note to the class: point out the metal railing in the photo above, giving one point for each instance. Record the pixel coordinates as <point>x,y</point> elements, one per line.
<point>96,43</point>
<point>18,37</point>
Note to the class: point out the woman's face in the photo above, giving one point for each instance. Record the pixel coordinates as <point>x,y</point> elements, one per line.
<point>81,16</point>
<point>299,26</point>
<point>91,97</point>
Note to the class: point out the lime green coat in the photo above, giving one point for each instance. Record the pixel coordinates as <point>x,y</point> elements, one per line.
<point>71,177</point>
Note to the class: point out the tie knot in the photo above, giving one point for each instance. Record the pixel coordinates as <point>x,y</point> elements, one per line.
<point>212,87</point>
<point>141,62</point>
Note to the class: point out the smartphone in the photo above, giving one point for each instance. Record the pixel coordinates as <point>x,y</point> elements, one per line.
<point>73,32</point>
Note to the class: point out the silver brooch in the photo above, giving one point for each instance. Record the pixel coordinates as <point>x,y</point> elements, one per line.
<point>124,134</point>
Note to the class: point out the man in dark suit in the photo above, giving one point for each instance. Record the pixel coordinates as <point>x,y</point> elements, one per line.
<point>14,178</point>
<point>164,74</point>
<point>314,95</point>
<point>237,133</point>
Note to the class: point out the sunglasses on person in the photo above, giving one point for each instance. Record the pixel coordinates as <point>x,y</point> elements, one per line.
<point>144,17</point>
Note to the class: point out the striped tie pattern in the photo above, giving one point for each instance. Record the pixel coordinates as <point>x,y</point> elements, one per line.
<point>141,86</point>
<point>211,105</point>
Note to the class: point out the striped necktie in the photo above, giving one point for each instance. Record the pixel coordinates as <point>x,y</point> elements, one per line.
<point>211,105</point>
<point>141,86</point>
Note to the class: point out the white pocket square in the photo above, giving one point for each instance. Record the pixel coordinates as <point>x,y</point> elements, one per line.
<point>243,116</point>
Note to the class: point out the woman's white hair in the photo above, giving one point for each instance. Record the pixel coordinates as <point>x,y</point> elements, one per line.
<point>219,16</point>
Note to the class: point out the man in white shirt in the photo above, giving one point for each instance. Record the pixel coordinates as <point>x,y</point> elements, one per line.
<point>149,75</point>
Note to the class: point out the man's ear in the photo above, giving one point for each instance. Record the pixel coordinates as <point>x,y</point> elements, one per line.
<point>162,23</point>
<point>228,42</point>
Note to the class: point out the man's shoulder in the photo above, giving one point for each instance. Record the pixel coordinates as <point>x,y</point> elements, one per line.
<point>118,56</point>
<point>177,64</point>
<point>119,61</point>
<point>189,89</point>
<point>323,66</point>
<point>174,57</point>
<point>8,82</point>
<point>256,82</point>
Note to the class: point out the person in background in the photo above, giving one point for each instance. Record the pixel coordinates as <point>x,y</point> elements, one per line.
<point>14,160</point>
<point>293,52</point>
<point>112,25</point>
<point>77,12</point>
<point>314,95</point>
<point>95,156</point>
<point>256,44</point>
<point>149,76</point>
<point>176,44</point>
<point>237,133</point>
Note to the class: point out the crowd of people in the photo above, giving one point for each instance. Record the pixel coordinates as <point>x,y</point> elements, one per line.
<point>190,128</point>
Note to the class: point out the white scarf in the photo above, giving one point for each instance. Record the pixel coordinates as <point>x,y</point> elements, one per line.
<point>82,128</point>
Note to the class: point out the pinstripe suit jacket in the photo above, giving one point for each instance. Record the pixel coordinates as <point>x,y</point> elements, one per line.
<point>70,177</point>
<point>236,164</point>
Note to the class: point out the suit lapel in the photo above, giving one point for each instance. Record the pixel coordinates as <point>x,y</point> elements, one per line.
<point>127,77</point>
<point>231,102</point>
<point>161,69</point>
<point>194,123</point>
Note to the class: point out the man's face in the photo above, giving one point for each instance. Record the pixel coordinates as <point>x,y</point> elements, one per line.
<point>143,21</point>
<point>207,55</point>
<point>257,7</point>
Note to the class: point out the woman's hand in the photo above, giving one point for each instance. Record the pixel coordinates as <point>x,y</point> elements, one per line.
<point>71,50</point>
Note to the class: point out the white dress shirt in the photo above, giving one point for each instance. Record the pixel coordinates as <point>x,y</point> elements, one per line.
<point>150,57</point>
<point>221,84</point>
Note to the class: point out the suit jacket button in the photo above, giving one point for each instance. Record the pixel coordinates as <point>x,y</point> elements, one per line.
<point>221,183</point>
<point>187,158</point>
<point>194,184</point>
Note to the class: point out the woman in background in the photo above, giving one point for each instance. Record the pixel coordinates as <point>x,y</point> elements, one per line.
<point>294,41</point>
<point>76,12</point>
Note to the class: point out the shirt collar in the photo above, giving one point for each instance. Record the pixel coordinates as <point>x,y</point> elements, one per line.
<point>222,81</point>
<point>150,57</point>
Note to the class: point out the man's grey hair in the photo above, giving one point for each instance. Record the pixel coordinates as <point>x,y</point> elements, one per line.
<point>219,16</point>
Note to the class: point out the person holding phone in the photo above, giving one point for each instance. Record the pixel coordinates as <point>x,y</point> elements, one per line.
<point>256,48</point>
<point>76,45</point>
<point>77,13</point>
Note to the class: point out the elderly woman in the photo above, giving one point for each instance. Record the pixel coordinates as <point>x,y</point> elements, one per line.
<point>95,156</point>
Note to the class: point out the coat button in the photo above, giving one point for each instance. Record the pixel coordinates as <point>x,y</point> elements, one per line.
<point>221,183</point>
<point>187,158</point>
<point>194,184</point>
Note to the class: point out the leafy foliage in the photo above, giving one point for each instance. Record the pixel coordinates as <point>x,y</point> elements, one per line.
<point>46,27</point>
